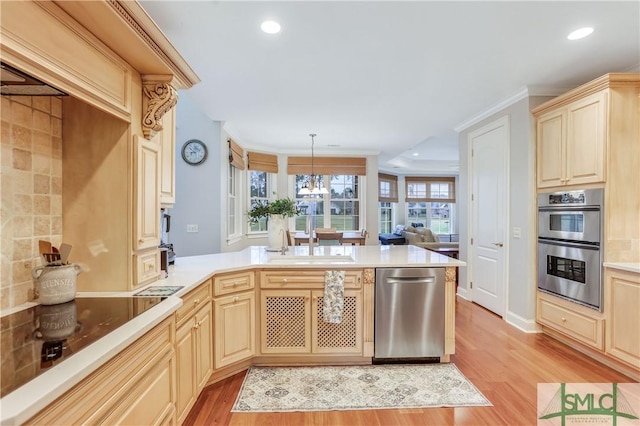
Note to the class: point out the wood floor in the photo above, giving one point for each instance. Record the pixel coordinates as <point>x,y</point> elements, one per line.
<point>504,363</point>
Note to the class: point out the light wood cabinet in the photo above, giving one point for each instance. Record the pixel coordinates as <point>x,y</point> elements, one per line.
<point>578,322</point>
<point>291,314</point>
<point>622,301</point>
<point>234,309</point>
<point>135,387</point>
<point>235,328</point>
<point>194,345</point>
<point>166,139</point>
<point>147,172</point>
<point>571,142</point>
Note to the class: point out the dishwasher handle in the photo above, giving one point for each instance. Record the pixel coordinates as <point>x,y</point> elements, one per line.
<point>415,280</point>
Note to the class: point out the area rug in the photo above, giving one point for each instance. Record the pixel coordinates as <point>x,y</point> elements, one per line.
<point>279,389</point>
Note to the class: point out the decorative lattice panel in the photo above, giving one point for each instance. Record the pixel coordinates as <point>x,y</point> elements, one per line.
<point>343,335</point>
<point>285,322</point>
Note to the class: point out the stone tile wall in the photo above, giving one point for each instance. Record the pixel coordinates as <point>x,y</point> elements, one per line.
<point>30,189</point>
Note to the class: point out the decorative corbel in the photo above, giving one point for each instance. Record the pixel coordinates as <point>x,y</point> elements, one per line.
<point>158,97</point>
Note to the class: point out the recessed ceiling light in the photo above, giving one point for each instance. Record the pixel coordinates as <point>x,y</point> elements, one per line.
<point>580,33</point>
<point>415,154</point>
<point>270,27</point>
<point>333,145</point>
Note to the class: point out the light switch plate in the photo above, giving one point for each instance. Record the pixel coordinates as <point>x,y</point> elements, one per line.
<point>516,232</point>
<point>192,228</point>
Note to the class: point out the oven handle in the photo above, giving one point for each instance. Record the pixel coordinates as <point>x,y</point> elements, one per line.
<point>565,243</point>
<point>569,208</point>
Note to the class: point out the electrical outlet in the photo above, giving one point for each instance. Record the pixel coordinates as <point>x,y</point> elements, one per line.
<point>192,228</point>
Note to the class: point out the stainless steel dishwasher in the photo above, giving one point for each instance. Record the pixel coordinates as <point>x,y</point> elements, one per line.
<point>409,314</point>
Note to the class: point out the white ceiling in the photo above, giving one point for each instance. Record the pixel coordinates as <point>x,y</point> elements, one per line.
<point>386,77</point>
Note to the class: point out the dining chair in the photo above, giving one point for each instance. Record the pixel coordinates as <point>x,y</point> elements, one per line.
<point>329,238</point>
<point>326,229</point>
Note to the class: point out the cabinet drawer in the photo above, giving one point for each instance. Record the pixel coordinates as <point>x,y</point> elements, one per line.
<point>147,267</point>
<point>225,284</point>
<point>305,279</point>
<point>193,301</point>
<point>574,324</point>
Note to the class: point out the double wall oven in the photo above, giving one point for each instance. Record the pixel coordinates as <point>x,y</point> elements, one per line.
<point>569,245</point>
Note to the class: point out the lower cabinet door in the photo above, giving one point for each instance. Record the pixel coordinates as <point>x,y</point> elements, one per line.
<point>150,401</point>
<point>185,366</point>
<point>204,346</point>
<point>285,321</point>
<point>344,337</point>
<point>623,325</point>
<point>235,328</point>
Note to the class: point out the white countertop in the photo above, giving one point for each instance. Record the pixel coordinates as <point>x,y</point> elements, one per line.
<point>189,272</point>
<point>623,266</point>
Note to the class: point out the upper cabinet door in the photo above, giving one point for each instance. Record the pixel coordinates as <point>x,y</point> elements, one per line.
<point>586,139</point>
<point>571,143</point>
<point>147,194</point>
<point>167,142</point>
<point>551,149</point>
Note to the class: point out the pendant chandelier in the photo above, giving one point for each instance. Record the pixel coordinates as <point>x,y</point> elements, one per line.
<point>312,186</point>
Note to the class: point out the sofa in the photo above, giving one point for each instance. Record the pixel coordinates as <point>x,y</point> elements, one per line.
<point>423,237</point>
<point>393,238</point>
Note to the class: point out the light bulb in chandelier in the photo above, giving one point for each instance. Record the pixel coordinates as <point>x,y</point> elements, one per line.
<point>312,186</point>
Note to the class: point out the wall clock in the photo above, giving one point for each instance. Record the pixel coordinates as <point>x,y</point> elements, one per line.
<point>194,152</point>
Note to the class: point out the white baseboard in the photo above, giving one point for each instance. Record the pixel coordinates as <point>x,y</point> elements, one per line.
<point>462,292</point>
<point>526,325</point>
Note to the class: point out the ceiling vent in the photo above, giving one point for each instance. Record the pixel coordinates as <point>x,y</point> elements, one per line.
<point>17,83</point>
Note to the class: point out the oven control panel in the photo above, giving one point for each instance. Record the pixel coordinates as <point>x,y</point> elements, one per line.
<point>573,197</point>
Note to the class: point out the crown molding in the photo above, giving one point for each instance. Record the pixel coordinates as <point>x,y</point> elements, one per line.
<point>522,93</point>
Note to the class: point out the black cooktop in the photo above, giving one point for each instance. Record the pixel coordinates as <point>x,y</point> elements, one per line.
<point>35,339</point>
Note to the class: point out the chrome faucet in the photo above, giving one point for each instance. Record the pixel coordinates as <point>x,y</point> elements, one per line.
<point>285,246</point>
<point>310,233</point>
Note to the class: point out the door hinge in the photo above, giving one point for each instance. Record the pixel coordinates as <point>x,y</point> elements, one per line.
<point>471,197</point>
<point>470,284</point>
<point>472,241</point>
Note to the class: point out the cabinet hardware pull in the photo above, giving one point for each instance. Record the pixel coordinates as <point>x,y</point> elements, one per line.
<point>563,319</point>
<point>141,240</point>
<point>235,299</point>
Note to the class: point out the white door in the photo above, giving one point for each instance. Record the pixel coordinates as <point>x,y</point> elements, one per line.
<point>489,214</point>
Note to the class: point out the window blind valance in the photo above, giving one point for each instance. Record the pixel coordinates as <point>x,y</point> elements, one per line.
<point>262,162</point>
<point>236,155</point>
<point>327,166</point>
<point>387,188</point>
<point>430,189</point>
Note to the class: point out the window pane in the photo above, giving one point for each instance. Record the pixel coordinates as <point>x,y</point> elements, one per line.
<point>259,190</point>
<point>417,190</point>
<point>385,218</point>
<point>344,206</point>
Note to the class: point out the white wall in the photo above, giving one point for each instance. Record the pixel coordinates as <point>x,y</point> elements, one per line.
<point>198,188</point>
<point>521,281</point>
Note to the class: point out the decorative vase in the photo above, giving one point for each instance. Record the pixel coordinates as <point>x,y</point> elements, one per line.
<point>56,284</point>
<point>276,231</point>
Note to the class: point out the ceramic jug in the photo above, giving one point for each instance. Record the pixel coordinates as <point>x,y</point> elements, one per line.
<point>56,284</point>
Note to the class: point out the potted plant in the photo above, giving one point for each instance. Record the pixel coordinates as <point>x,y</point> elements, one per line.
<point>275,212</point>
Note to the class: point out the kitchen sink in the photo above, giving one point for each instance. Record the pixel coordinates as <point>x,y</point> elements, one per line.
<point>306,259</point>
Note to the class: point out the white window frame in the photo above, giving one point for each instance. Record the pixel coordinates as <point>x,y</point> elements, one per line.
<point>235,214</point>
<point>392,215</point>
<point>326,199</point>
<point>271,190</point>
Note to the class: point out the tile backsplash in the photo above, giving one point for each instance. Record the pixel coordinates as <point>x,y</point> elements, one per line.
<point>30,189</point>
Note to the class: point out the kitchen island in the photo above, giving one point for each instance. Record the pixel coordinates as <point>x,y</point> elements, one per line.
<point>231,311</point>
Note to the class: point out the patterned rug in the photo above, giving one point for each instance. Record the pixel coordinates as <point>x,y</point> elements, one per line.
<point>356,388</point>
